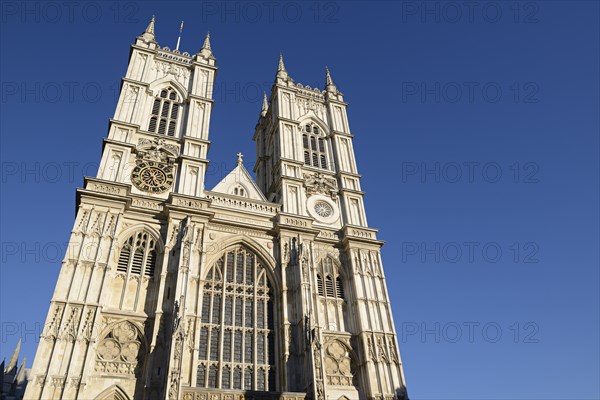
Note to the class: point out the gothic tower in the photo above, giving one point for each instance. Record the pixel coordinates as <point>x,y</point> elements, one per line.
<point>271,289</point>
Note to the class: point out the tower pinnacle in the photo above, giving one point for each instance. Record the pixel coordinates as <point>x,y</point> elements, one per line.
<point>14,359</point>
<point>329,85</point>
<point>281,71</point>
<point>206,44</point>
<point>206,50</point>
<point>265,105</point>
<point>150,27</point>
<point>148,34</point>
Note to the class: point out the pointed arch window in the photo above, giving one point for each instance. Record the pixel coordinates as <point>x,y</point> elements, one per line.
<point>315,147</point>
<point>165,111</point>
<point>138,255</point>
<point>333,306</point>
<point>331,286</point>
<point>237,346</point>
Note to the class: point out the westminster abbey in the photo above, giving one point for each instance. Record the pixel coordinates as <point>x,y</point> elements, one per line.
<point>267,288</point>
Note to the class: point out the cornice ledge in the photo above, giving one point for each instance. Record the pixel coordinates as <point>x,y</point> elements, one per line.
<point>295,222</point>
<point>185,203</point>
<point>115,189</point>
<point>360,233</point>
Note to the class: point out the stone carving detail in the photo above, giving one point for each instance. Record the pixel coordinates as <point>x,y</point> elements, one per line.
<point>191,393</point>
<point>246,204</point>
<point>149,204</point>
<point>286,253</point>
<point>132,94</point>
<point>371,350</point>
<point>187,241</point>
<point>88,326</point>
<point>121,351</point>
<point>181,74</point>
<point>177,353</point>
<point>198,205</point>
<point>304,262</point>
<point>174,234</point>
<point>58,382</point>
<point>318,183</point>
<point>111,226</point>
<point>41,380</point>
<point>81,227</point>
<point>338,364</point>
<point>189,333</point>
<point>157,150</point>
<point>381,350</point>
<point>305,105</point>
<point>52,329</point>
<point>96,228</point>
<point>110,189</point>
<point>69,329</point>
<point>393,351</point>
<point>75,382</point>
<point>320,392</point>
<point>312,340</point>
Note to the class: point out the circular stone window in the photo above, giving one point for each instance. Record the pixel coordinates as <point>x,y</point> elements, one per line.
<point>323,209</point>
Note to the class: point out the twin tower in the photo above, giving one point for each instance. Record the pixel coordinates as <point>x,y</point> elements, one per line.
<point>271,289</point>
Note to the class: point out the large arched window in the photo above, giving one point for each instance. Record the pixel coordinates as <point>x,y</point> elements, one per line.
<point>315,147</point>
<point>165,111</point>
<point>138,255</point>
<point>237,345</point>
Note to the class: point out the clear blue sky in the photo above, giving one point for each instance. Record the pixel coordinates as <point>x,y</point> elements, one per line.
<point>476,131</point>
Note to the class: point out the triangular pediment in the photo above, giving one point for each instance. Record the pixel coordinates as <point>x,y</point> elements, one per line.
<point>239,182</point>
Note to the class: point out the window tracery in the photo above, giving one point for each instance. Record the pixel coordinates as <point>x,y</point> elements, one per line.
<point>165,110</point>
<point>237,346</point>
<point>138,255</point>
<point>315,147</point>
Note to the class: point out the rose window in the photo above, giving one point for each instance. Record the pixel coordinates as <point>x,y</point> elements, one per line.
<point>323,209</point>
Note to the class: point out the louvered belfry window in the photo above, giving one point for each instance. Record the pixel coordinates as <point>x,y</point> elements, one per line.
<point>315,152</point>
<point>138,255</point>
<point>165,111</point>
<point>331,286</point>
<point>237,344</point>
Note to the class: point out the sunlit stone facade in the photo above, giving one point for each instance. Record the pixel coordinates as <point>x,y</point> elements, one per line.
<point>271,289</point>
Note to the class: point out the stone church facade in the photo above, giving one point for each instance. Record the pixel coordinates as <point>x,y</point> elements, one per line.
<point>271,289</point>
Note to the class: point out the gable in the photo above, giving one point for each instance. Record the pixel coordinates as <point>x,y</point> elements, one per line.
<point>239,183</point>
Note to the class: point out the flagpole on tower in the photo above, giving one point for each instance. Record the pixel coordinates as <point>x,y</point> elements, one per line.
<point>179,38</point>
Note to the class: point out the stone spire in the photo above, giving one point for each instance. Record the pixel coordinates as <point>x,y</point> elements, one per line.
<point>150,27</point>
<point>206,44</point>
<point>21,372</point>
<point>206,50</point>
<point>148,34</point>
<point>265,105</point>
<point>329,85</point>
<point>12,363</point>
<point>281,71</point>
